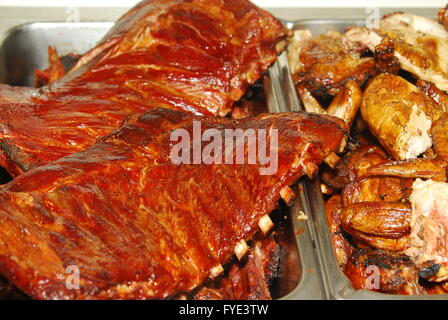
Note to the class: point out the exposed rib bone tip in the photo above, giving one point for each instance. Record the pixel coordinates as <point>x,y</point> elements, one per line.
<point>325,189</point>
<point>216,271</point>
<point>288,195</point>
<point>302,216</point>
<point>343,144</point>
<point>332,160</point>
<point>241,249</point>
<point>310,169</point>
<point>265,223</point>
<point>280,46</point>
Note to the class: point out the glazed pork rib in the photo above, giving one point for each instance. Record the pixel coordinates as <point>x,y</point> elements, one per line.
<point>198,56</point>
<point>136,224</point>
<point>248,280</point>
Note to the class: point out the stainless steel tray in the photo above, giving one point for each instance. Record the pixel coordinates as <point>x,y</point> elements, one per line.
<point>336,284</point>
<point>279,90</point>
<point>25,49</point>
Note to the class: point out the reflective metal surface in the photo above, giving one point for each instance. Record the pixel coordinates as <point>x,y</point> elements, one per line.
<point>309,285</point>
<point>25,47</point>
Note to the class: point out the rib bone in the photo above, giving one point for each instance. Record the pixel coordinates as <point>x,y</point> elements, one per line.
<point>332,160</point>
<point>216,271</point>
<point>265,223</point>
<point>241,249</point>
<point>287,195</point>
<point>310,169</point>
<point>326,189</point>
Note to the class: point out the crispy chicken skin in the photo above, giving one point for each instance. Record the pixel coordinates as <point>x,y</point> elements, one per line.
<point>383,271</point>
<point>438,96</point>
<point>414,168</point>
<point>198,56</point>
<point>341,245</point>
<point>413,38</point>
<point>375,189</point>
<point>136,224</point>
<point>392,223</point>
<point>381,224</point>
<point>403,125</point>
<point>323,65</point>
<point>439,134</point>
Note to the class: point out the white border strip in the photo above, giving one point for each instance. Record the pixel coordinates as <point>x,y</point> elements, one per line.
<point>262,3</point>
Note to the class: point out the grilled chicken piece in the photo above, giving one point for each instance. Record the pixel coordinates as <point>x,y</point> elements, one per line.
<point>420,45</point>
<point>437,95</point>
<point>138,225</point>
<point>323,66</point>
<point>345,106</point>
<point>198,56</point>
<point>346,103</point>
<point>404,121</point>
<point>383,271</point>
<point>440,137</point>
<point>363,187</point>
<point>360,159</point>
<point>343,248</point>
<point>415,168</point>
<point>383,225</point>
<point>374,189</point>
<point>374,210</point>
<point>429,223</point>
<point>354,165</point>
<point>297,44</point>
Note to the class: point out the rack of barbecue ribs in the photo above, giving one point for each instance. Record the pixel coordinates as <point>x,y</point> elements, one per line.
<point>95,187</point>
<point>197,56</point>
<point>138,225</point>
